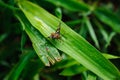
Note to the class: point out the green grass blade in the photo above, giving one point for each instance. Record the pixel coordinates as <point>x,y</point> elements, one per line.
<point>106,37</point>
<point>109,56</point>
<point>44,50</point>
<point>58,13</point>
<point>91,31</point>
<point>71,43</point>
<point>3,37</point>
<point>110,37</point>
<point>108,18</point>
<point>16,71</point>
<point>23,41</point>
<point>73,70</point>
<point>102,30</point>
<point>72,5</point>
<point>91,76</point>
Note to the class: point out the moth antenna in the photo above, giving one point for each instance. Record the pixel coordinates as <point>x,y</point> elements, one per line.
<point>58,29</point>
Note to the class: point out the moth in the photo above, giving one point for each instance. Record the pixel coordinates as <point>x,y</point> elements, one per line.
<point>56,34</point>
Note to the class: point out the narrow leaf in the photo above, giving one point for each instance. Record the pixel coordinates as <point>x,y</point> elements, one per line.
<point>72,5</point>
<point>91,76</point>
<point>106,37</point>
<point>73,70</point>
<point>91,31</point>
<point>44,50</point>
<point>109,56</point>
<point>16,71</point>
<point>110,37</point>
<point>58,12</point>
<point>70,42</point>
<point>108,18</point>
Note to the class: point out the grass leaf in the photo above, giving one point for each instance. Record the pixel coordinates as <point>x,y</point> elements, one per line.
<point>16,71</point>
<point>72,5</point>
<point>109,56</point>
<point>91,31</point>
<point>71,43</point>
<point>44,50</point>
<point>73,70</point>
<point>108,18</point>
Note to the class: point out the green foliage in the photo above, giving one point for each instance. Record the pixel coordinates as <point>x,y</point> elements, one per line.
<point>44,50</point>
<point>26,46</point>
<point>108,18</point>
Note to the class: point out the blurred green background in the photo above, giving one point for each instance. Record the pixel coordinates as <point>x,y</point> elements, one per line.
<point>98,21</point>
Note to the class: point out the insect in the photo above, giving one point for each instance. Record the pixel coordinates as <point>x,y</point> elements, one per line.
<point>56,34</point>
